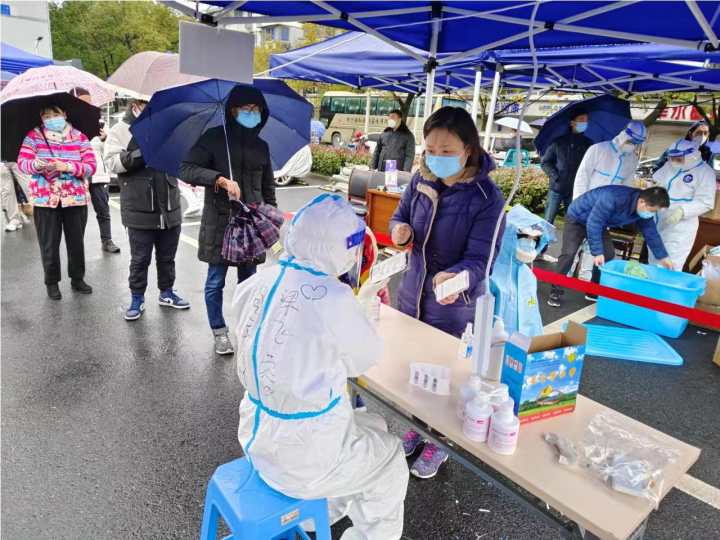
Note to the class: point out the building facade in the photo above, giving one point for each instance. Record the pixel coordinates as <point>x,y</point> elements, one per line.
<point>25,24</point>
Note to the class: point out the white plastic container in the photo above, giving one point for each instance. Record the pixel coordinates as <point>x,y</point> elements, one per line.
<point>492,369</point>
<point>477,418</point>
<point>499,396</point>
<point>473,386</point>
<point>391,173</point>
<point>373,309</point>
<point>465,348</point>
<point>504,430</point>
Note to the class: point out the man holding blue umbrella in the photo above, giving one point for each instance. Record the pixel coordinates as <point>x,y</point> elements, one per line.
<point>233,163</point>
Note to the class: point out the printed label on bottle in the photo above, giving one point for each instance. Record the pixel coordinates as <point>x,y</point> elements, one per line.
<point>503,439</point>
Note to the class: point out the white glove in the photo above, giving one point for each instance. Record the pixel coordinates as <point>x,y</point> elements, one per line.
<point>674,215</point>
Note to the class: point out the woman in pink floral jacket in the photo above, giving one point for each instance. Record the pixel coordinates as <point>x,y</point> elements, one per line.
<point>60,161</point>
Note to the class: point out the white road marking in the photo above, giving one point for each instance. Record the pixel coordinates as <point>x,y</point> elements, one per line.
<point>183,237</point>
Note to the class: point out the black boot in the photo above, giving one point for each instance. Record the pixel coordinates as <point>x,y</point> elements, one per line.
<point>54,291</point>
<point>80,286</point>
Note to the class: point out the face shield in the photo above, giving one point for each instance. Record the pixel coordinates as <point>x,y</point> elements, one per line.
<point>683,155</point>
<point>631,138</point>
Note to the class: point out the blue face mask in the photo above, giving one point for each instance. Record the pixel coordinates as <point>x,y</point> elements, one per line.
<point>57,123</point>
<point>443,166</point>
<point>248,119</point>
<point>645,214</point>
<point>580,127</point>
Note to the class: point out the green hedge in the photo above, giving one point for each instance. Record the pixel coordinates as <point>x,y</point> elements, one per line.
<point>328,160</point>
<point>533,189</point>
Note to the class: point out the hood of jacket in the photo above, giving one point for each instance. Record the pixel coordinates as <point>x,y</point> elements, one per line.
<point>244,95</point>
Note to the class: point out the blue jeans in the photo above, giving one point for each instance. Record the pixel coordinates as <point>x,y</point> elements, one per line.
<point>554,201</point>
<point>214,286</point>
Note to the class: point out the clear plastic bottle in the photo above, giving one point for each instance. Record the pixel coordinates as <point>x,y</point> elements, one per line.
<point>504,429</point>
<point>493,368</point>
<point>477,418</point>
<point>391,173</point>
<point>466,340</point>
<point>474,385</point>
<point>500,395</point>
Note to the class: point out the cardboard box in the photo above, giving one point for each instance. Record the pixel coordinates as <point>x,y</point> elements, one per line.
<point>543,373</point>
<point>712,284</point>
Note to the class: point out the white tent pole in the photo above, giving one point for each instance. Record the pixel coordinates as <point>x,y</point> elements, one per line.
<point>321,50</point>
<point>491,108</point>
<point>367,114</point>
<point>702,21</point>
<point>430,84</point>
<point>417,115</point>
<point>476,94</point>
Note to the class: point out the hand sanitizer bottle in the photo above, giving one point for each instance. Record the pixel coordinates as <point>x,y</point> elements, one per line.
<point>504,429</point>
<point>465,350</point>
<point>477,418</point>
<point>472,387</point>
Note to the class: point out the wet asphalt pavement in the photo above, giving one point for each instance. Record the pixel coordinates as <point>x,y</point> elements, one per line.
<point>111,429</point>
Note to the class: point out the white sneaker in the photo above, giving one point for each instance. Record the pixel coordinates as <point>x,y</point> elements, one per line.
<point>13,226</point>
<point>24,218</point>
<point>548,258</point>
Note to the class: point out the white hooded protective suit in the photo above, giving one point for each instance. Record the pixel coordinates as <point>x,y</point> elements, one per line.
<point>611,162</point>
<point>513,282</point>
<point>301,334</point>
<point>691,187</point>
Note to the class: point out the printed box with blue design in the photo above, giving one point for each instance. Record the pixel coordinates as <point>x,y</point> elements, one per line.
<point>543,373</point>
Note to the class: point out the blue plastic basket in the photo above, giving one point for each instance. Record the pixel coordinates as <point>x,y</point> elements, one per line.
<point>662,284</point>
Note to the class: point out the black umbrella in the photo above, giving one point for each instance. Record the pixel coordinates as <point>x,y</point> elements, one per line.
<point>20,115</point>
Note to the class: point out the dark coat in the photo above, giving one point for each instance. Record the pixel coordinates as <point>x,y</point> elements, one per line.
<point>562,159</point>
<point>149,199</point>
<point>613,206</point>
<point>395,144</point>
<point>251,169</point>
<point>452,231</point>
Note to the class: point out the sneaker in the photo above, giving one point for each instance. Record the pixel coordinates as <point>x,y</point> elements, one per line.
<point>79,285</point>
<point>137,306</point>
<point>411,440</point>
<point>13,226</point>
<point>53,291</point>
<point>170,299</point>
<point>555,300</point>
<point>223,345</point>
<point>428,464</point>
<point>591,297</point>
<point>25,220</point>
<point>548,258</point>
<point>110,247</point>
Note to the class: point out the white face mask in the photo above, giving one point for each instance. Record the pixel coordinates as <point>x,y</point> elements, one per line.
<point>392,123</point>
<point>677,165</point>
<point>699,140</point>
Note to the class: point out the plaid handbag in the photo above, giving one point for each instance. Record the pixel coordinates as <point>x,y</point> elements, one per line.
<point>252,230</point>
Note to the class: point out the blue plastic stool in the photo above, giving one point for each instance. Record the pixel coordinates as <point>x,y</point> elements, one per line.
<point>253,510</point>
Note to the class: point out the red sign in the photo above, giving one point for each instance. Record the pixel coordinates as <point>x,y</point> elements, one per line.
<point>683,113</point>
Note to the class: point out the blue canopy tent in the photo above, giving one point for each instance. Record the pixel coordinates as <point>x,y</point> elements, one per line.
<point>14,60</point>
<point>452,26</point>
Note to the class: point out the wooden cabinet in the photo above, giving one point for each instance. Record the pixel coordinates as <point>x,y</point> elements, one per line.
<point>381,206</point>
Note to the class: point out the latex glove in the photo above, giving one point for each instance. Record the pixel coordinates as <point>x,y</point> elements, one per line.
<point>674,215</point>
<point>666,263</point>
<point>599,260</point>
<point>401,234</point>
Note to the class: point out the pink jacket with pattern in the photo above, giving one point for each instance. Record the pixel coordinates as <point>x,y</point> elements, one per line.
<point>53,189</point>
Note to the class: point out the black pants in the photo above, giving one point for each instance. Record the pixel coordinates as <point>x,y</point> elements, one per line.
<point>49,225</point>
<point>165,242</point>
<point>573,235</point>
<point>100,200</point>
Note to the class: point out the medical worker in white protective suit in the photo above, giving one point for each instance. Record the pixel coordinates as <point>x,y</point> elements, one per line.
<point>301,334</point>
<point>606,163</point>
<point>513,282</point>
<point>690,182</point>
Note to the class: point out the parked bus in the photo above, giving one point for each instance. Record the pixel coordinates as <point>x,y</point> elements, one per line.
<point>343,113</point>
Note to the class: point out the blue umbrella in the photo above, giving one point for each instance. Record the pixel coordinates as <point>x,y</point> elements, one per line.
<point>607,116</point>
<point>175,118</point>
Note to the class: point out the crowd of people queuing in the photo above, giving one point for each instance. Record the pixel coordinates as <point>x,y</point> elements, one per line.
<point>446,218</point>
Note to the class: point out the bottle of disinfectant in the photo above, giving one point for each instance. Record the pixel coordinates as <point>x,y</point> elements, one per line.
<point>477,418</point>
<point>504,429</point>
<point>473,386</point>
<point>499,395</point>
<point>465,350</point>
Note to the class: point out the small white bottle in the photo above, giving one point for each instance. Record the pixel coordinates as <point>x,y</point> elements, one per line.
<point>465,349</point>
<point>468,391</point>
<point>500,395</point>
<point>373,309</point>
<point>477,418</point>
<point>504,429</point>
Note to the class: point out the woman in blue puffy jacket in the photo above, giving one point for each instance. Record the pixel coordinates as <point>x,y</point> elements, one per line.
<point>448,212</point>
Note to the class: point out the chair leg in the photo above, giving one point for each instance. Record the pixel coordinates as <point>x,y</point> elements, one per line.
<point>322,526</point>
<point>210,522</point>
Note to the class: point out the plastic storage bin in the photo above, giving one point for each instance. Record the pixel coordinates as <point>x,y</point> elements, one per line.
<point>662,284</point>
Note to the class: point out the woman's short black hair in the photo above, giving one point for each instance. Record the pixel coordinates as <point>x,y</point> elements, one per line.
<point>656,196</point>
<point>397,112</point>
<point>458,122</point>
<point>52,107</point>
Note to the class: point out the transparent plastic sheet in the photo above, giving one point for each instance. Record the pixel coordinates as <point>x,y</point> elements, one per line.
<point>612,450</point>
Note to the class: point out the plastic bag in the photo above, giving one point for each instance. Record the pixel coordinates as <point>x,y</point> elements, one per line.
<point>628,461</point>
<point>635,269</point>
